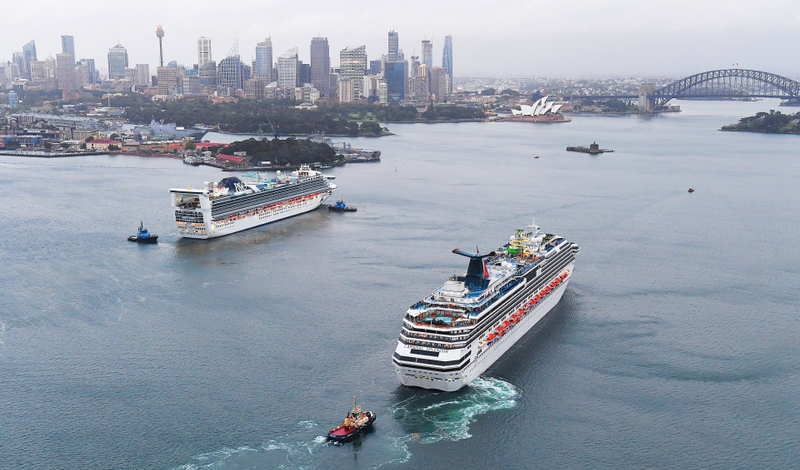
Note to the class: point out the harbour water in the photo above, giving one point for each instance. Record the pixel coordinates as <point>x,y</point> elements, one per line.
<point>676,345</point>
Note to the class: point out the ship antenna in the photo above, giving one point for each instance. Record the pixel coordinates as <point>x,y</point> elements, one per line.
<point>476,249</point>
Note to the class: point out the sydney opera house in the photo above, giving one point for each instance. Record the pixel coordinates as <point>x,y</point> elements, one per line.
<point>540,111</point>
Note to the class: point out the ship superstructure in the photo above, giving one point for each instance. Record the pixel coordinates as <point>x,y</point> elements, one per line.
<point>453,335</point>
<point>232,205</point>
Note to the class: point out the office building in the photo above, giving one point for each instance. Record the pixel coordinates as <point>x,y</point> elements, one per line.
<point>303,73</point>
<point>414,66</point>
<point>321,66</point>
<point>440,84</point>
<point>203,51</point>
<point>352,62</point>
<point>264,59</point>
<point>421,83</point>
<point>230,75</point>
<point>393,47</point>
<point>68,46</point>
<point>65,72</point>
<point>375,67</point>
<point>447,60</point>
<point>142,75</point>
<point>168,81</point>
<point>91,72</point>
<point>346,90</point>
<point>28,54</point>
<point>396,77</point>
<point>117,61</point>
<point>287,70</point>
<point>208,77</point>
<point>427,53</point>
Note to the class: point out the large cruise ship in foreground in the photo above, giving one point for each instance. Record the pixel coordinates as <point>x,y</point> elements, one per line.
<point>453,335</point>
<point>233,205</point>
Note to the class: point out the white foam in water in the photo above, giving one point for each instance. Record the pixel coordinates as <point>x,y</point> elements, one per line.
<point>447,416</point>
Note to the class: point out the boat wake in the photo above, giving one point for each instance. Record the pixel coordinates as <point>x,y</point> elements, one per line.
<point>434,417</point>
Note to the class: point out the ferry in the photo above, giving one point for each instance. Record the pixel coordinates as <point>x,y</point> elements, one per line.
<point>458,331</point>
<point>232,205</point>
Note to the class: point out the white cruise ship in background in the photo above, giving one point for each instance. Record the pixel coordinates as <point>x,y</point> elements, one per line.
<point>233,205</point>
<point>453,335</point>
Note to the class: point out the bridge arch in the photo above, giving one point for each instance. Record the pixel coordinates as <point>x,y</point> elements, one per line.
<point>762,84</point>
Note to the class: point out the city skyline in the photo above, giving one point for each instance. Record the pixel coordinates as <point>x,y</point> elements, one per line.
<point>581,38</point>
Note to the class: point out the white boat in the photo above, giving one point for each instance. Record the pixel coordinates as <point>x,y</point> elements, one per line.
<point>453,335</point>
<point>232,205</point>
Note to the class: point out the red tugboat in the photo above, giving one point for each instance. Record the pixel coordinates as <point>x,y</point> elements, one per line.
<point>356,422</point>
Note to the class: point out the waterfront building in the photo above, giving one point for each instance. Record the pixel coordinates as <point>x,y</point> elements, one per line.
<point>346,90</point>
<point>352,62</point>
<point>68,46</point>
<point>321,65</point>
<point>142,75</point>
<point>117,61</point>
<point>439,84</point>
<point>203,51</point>
<point>287,70</point>
<point>447,60</point>
<point>393,46</point>
<point>264,59</point>
<point>427,53</point>
<point>65,71</point>
<point>396,78</point>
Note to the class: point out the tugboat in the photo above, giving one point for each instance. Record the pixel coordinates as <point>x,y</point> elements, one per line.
<point>340,206</point>
<point>356,422</point>
<point>143,236</point>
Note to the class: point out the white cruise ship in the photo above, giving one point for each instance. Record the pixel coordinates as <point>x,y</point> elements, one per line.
<point>453,335</point>
<point>233,205</point>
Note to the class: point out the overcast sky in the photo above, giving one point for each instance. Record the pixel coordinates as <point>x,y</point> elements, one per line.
<point>512,38</point>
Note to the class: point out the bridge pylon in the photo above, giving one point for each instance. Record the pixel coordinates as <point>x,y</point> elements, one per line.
<point>647,101</point>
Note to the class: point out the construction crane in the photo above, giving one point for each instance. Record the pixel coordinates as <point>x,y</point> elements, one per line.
<point>274,132</point>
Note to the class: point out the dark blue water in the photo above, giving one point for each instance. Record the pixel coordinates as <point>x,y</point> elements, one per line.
<point>676,345</point>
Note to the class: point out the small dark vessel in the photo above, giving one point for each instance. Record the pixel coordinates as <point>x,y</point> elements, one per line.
<point>143,236</point>
<point>691,190</point>
<point>340,206</point>
<point>356,422</point>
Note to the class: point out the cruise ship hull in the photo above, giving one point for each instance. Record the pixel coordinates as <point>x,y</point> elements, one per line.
<point>451,381</point>
<point>211,229</point>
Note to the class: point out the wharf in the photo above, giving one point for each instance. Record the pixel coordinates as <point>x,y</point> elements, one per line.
<point>46,154</point>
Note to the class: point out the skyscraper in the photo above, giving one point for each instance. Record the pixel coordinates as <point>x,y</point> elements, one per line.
<point>203,51</point>
<point>264,59</point>
<point>427,53</point>
<point>230,72</point>
<point>395,74</point>
<point>90,70</point>
<point>352,62</point>
<point>439,83</point>
<point>65,71</point>
<point>117,61</point>
<point>393,46</point>
<point>143,75</point>
<point>28,54</point>
<point>68,46</point>
<point>321,66</point>
<point>287,70</point>
<point>447,60</point>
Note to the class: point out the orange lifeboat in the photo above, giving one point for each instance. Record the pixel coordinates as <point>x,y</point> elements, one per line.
<point>490,337</point>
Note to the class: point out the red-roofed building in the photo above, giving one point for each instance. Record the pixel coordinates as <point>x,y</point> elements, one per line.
<point>232,160</point>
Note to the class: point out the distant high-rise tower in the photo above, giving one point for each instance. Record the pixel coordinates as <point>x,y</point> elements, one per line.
<point>264,59</point>
<point>321,66</point>
<point>160,35</point>
<point>352,62</point>
<point>117,61</point>
<point>427,53</point>
<point>393,46</point>
<point>65,71</point>
<point>28,54</point>
<point>91,72</point>
<point>287,69</point>
<point>447,60</point>
<point>203,51</point>
<point>230,72</point>
<point>68,46</point>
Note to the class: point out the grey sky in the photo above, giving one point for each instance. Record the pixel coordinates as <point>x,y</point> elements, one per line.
<point>566,38</point>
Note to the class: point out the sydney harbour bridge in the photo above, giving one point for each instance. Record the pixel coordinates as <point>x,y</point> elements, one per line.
<point>725,83</point>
